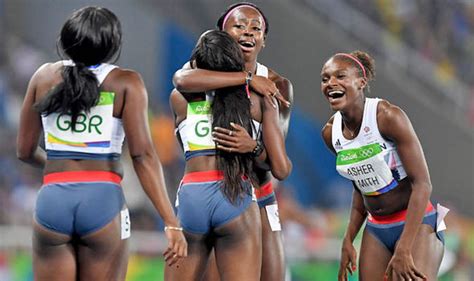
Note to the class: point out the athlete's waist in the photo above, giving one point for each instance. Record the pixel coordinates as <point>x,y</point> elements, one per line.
<point>206,176</point>
<point>396,217</point>
<point>81,176</point>
<point>203,176</point>
<point>264,190</point>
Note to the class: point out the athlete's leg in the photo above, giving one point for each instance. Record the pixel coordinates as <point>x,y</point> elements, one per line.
<point>427,252</point>
<point>103,254</point>
<point>373,258</point>
<point>191,267</point>
<point>53,255</point>
<point>273,258</point>
<point>238,247</point>
<point>211,273</point>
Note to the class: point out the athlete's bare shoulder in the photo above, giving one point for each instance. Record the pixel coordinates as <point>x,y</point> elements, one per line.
<point>49,72</point>
<point>283,84</point>
<point>326,133</point>
<point>124,80</point>
<point>389,117</point>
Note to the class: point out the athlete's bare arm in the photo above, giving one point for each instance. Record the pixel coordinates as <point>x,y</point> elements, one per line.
<point>394,125</point>
<point>194,80</point>
<point>274,141</point>
<point>145,160</point>
<point>30,127</point>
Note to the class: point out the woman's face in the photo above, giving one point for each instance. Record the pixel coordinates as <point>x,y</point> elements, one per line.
<point>340,83</point>
<point>246,26</point>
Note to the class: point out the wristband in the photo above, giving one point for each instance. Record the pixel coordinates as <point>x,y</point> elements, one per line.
<point>173,228</point>
<point>258,149</point>
<point>249,77</point>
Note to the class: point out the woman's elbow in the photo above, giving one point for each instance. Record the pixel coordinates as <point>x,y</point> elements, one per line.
<point>179,81</point>
<point>283,171</point>
<point>24,155</point>
<point>423,188</point>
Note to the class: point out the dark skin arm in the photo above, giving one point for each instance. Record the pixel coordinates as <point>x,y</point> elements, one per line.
<point>357,217</point>
<point>274,141</point>
<point>239,140</point>
<point>394,125</point>
<point>188,80</point>
<point>146,162</point>
<point>30,128</point>
<point>285,89</point>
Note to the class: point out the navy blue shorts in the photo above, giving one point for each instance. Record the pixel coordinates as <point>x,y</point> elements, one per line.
<point>265,195</point>
<point>201,204</point>
<point>387,229</point>
<point>78,203</point>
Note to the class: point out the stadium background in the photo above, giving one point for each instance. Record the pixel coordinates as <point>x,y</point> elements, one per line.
<point>424,51</point>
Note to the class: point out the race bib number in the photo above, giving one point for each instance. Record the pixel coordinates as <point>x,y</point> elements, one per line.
<point>366,167</point>
<point>273,217</point>
<point>125,224</point>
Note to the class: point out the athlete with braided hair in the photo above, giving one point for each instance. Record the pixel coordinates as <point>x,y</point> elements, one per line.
<point>378,150</point>
<point>247,24</point>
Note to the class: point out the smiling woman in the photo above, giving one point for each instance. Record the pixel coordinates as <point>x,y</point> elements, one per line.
<point>248,26</point>
<point>378,150</point>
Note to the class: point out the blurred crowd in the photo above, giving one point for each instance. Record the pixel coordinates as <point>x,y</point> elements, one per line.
<point>440,30</point>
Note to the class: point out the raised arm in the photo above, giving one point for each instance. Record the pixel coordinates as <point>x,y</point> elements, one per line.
<point>145,160</point>
<point>29,131</point>
<point>274,140</point>
<point>285,89</point>
<point>188,80</point>
<point>195,80</point>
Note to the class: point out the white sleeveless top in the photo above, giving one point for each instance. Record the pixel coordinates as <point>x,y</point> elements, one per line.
<point>195,131</point>
<point>369,160</point>
<point>97,134</point>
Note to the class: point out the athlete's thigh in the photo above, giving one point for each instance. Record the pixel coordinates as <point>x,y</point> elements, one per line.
<point>191,268</point>
<point>211,272</point>
<point>427,252</point>
<point>238,247</point>
<point>103,254</point>
<point>53,255</point>
<point>373,258</point>
<point>273,257</point>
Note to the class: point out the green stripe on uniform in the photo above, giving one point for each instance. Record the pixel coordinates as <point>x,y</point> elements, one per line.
<point>106,98</point>
<point>350,156</point>
<point>199,108</point>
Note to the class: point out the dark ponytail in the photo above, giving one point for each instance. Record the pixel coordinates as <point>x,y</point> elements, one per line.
<point>216,50</point>
<point>78,92</point>
<point>91,36</point>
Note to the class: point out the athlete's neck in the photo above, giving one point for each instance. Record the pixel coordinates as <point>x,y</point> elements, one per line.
<point>352,117</point>
<point>251,66</point>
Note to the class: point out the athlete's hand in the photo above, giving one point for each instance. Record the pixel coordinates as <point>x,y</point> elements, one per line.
<point>177,246</point>
<point>235,140</point>
<point>402,268</point>
<point>266,87</point>
<point>348,261</point>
